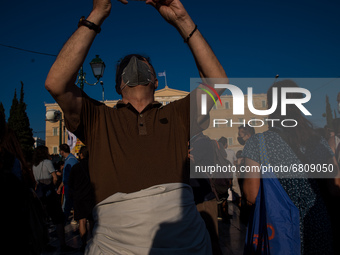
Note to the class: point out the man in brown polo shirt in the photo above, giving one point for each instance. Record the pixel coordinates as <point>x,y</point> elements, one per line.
<point>138,150</point>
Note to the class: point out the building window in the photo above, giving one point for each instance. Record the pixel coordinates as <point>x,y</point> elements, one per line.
<point>264,105</point>
<point>241,121</point>
<point>55,150</point>
<point>257,122</point>
<point>227,106</point>
<point>252,122</point>
<point>230,141</point>
<point>55,131</point>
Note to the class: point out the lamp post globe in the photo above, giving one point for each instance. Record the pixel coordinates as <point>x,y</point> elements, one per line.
<point>53,115</point>
<point>98,67</point>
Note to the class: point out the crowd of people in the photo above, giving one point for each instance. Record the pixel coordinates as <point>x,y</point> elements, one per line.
<point>130,189</point>
<point>37,196</point>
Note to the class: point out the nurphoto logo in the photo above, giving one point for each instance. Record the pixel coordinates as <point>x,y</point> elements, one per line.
<point>238,104</point>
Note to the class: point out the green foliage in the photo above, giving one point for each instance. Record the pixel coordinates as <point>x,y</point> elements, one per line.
<point>19,122</point>
<point>13,111</point>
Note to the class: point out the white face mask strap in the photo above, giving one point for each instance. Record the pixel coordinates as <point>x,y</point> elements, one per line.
<point>121,89</point>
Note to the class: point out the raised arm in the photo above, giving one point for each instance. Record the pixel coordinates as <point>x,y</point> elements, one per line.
<point>63,73</point>
<point>206,61</point>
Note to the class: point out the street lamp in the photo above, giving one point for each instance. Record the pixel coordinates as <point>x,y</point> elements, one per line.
<point>97,66</point>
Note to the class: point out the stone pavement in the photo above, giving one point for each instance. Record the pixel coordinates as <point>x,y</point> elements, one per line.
<point>232,235</point>
<point>232,232</point>
<point>72,238</point>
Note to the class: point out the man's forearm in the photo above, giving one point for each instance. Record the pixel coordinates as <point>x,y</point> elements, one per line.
<point>206,60</point>
<point>64,71</point>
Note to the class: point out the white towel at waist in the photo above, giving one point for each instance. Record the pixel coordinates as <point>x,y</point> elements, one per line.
<point>162,219</point>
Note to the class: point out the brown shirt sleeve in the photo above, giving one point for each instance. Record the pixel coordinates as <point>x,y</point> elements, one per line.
<point>90,111</point>
<point>189,113</point>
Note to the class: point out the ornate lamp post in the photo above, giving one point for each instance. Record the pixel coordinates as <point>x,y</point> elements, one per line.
<point>97,66</point>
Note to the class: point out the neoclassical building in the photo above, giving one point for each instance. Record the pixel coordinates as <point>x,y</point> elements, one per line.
<point>227,125</point>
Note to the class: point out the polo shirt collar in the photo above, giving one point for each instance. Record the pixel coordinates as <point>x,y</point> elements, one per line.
<point>154,104</point>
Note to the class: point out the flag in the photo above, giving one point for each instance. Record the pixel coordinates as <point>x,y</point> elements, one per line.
<point>161,74</point>
<point>71,140</point>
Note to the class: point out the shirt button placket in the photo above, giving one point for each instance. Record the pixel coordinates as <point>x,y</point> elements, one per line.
<point>141,125</point>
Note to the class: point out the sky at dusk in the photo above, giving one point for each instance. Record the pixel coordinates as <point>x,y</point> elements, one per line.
<point>252,39</point>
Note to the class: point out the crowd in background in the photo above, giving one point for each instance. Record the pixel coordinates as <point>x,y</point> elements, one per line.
<point>36,196</point>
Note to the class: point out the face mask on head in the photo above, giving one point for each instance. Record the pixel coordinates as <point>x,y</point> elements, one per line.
<point>241,141</point>
<point>136,73</point>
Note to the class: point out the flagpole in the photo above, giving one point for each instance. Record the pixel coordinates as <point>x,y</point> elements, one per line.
<point>166,84</point>
<point>163,74</point>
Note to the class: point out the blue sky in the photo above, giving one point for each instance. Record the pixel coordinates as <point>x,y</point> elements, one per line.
<point>252,39</point>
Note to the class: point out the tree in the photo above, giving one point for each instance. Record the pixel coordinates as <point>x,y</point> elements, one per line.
<point>19,122</point>
<point>13,112</point>
<point>2,109</point>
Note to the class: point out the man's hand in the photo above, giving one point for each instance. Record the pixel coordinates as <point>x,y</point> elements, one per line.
<point>171,10</point>
<point>101,10</point>
<point>104,6</point>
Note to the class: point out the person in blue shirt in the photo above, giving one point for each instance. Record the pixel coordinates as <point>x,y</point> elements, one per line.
<point>70,161</point>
